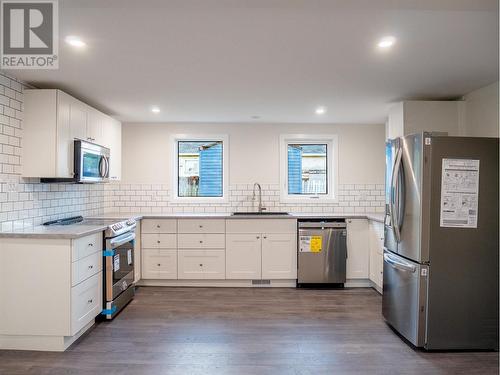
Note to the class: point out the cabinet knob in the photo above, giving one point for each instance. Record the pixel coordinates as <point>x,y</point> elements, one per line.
<point>201,226</point>
<point>159,264</point>
<point>90,301</point>
<point>265,237</point>
<point>158,241</point>
<point>258,237</point>
<point>90,267</point>
<point>91,244</point>
<point>158,225</point>
<point>201,265</point>
<point>201,241</point>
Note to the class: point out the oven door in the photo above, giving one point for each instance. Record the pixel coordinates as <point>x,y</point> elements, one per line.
<point>119,260</point>
<point>91,162</point>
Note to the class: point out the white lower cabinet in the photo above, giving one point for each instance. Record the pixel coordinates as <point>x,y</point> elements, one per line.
<point>201,264</point>
<point>376,234</point>
<point>59,295</point>
<point>86,302</point>
<point>159,264</point>
<point>279,256</point>
<point>243,256</point>
<point>358,255</point>
<point>261,249</point>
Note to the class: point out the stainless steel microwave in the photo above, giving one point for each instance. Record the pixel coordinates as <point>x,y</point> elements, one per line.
<point>91,162</point>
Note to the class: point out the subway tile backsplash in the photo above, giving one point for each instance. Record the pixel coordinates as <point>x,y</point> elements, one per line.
<point>155,198</point>
<point>27,202</point>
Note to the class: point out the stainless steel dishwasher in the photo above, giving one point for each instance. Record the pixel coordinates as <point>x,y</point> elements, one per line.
<point>322,252</point>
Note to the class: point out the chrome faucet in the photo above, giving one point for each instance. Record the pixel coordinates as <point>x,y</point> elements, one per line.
<point>261,208</point>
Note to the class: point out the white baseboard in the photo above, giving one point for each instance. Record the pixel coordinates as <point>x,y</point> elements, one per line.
<point>220,283</point>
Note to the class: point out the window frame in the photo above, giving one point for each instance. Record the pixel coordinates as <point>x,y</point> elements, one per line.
<point>174,139</point>
<point>331,140</point>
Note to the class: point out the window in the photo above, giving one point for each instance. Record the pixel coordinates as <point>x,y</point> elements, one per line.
<point>200,168</point>
<point>307,167</point>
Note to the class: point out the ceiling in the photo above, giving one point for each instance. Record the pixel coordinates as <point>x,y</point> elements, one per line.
<point>230,60</point>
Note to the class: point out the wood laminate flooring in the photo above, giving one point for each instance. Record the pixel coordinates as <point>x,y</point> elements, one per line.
<point>246,331</point>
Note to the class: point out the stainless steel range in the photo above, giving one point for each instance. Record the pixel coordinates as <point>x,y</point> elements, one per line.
<point>118,263</point>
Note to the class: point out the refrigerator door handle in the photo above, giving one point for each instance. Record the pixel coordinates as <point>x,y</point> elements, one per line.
<point>400,265</point>
<point>395,188</point>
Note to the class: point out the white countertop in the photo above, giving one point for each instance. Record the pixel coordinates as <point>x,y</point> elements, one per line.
<point>293,215</point>
<point>83,229</point>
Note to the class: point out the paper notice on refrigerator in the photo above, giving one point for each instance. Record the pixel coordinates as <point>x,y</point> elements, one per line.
<point>459,193</point>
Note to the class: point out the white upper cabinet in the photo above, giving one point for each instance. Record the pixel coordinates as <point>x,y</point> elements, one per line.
<point>112,139</point>
<point>95,122</point>
<point>357,249</point>
<point>55,119</point>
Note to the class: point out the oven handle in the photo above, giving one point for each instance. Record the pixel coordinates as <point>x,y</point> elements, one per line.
<point>122,239</point>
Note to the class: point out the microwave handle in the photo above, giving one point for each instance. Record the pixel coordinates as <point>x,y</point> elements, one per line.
<point>106,159</point>
<point>102,164</point>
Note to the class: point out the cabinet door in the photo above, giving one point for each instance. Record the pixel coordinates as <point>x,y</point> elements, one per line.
<point>65,149</point>
<point>94,126</point>
<point>159,264</point>
<point>279,256</point>
<point>137,253</point>
<point>78,120</point>
<point>358,255</point>
<point>112,138</point>
<point>243,256</point>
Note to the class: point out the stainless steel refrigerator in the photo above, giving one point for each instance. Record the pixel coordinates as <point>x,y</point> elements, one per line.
<point>441,255</point>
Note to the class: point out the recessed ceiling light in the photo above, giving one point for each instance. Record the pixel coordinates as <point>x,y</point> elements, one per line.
<point>255,117</point>
<point>320,110</point>
<point>155,109</point>
<point>386,42</point>
<point>75,41</point>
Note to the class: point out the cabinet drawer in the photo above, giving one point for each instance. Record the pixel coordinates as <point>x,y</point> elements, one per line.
<point>159,226</point>
<point>85,246</point>
<point>86,302</point>
<point>259,225</point>
<point>159,264</point>
<point>159,240</point>
<point>202,226</point>
<point>86,267</point>
<point>201,264</point>
<point>202,241</point>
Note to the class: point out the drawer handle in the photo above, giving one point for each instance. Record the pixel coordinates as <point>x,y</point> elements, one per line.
<point>90,301</point>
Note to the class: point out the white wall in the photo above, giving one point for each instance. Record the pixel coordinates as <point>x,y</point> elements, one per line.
<point>481,112</point>
<point>253,152</point>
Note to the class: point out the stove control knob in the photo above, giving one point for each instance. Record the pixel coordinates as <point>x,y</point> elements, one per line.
<point>131,222</point>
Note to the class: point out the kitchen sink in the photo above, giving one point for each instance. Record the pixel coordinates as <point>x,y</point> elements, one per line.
<point>264,213</point>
